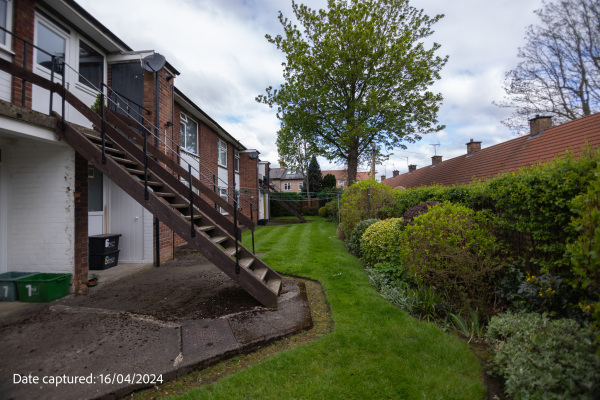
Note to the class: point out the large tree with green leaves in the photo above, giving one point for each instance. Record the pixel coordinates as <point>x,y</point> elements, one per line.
<point>356,73</point>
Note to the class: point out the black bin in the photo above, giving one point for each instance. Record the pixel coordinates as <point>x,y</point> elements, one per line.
<point>102,244</point>
<point>103,261</point>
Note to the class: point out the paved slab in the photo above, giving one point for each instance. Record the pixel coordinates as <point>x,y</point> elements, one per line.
<point>119,339</point>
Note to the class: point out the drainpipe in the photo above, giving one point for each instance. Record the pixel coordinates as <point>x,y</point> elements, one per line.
<point>156,221</point>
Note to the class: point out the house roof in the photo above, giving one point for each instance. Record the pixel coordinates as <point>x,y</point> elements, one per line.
<point>507,156</point>
<point>285,174</point>
<point>343,174</point>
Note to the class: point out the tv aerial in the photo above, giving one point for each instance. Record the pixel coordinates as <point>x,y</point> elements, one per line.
<point>435,146</point>
<point>153,62</point>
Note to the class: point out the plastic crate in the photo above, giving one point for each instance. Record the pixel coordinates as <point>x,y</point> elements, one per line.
<point>42,288</point>
<point>103,261</point>
<point>8,285</point>
<point>103,244</point>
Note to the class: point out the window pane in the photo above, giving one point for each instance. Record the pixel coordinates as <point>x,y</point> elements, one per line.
<point>53,44</point>
<point>3,19</point>
<point>191,137</point>
<point>90,66</point>
<point>222,153</point>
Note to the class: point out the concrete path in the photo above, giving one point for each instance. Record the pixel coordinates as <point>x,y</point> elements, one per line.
<point>126,335</point>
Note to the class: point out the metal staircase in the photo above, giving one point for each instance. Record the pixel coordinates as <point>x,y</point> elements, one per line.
<point>124,156</point>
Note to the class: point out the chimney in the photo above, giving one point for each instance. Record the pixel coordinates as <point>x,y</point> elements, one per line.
<point>436,160</point>
<point>539,124</point>
<point>382,178</point>
<point>472,147</point>
<point>396,173</point>
<point>411,168</point>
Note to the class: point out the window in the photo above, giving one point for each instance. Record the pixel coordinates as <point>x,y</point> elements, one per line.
<point>236,161</point>
<point>189,134</point>
<point>95,191</point>
<point>53,43</point>
<point>287,186</point>
<point>91,65</point>
<point>300,186</point>
<point>222,153</point>
<point>5,22</point>
<point>341,183</point>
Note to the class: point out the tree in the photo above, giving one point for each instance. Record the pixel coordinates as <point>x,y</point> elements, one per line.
<point>329,181</point>
<point>559,71</point>
<point>314,177</point>
<point>356,74</point>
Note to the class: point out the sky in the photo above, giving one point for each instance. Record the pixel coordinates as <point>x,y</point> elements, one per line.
<point>219,47</point>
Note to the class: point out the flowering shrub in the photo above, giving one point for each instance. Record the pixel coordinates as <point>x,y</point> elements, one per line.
<point>417,210</point>
<point>381,241</point>
<point>543,358</point>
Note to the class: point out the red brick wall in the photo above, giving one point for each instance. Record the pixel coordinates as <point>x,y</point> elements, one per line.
<point>80,276</point>
<point>23,26</point>
<point>248,184</point>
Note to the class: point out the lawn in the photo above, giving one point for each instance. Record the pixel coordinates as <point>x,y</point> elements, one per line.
<point>376,351</point>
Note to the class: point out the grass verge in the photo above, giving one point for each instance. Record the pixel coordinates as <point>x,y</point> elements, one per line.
<point>375,350</point>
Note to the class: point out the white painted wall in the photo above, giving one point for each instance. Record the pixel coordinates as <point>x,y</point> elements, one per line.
<point>41,207</point>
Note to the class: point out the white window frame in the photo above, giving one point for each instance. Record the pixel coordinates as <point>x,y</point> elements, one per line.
<point>7,44</point>
<point>223,195</point>
<point>222,149</point>
<point>184,120</point>
<point>66,36</point>
<point>236,161</point>
<point>287,186</point>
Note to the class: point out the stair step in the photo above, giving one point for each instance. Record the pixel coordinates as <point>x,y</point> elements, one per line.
<point>219,239</point>
<point>261,273</point>
<point>230,251</point>
<point>112,150</point>
<point>155,184</point>
<point>196,217</point>
<point>205,228</point>
<point>125,161</point>
<point>135,171</point>
<point>180,205</point>
<point>274,284</point>
<point>246,262</point>
<point>164,194</point>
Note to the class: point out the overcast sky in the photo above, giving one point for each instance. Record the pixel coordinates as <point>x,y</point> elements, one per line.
<point>219,47</point>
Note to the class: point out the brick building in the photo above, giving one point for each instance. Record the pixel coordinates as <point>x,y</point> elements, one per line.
<point>55,191</point>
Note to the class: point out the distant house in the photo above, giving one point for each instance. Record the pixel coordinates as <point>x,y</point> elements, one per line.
<point>285,180</point>
<point>543,143</point>
<point>341,177</point>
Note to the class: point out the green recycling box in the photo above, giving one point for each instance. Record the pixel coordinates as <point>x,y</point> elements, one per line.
<point>41,288</point>
<point>8,285</point>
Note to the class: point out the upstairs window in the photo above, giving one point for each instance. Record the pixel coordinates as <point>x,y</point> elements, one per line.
<point>53,43</point>
<point>5,22</point>
<point>222,153</point>
<point>91,66</point>
<point>236,161</point>
<point>189,134</point>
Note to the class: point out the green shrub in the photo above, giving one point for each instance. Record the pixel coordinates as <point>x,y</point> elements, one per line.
<point>356,236</point>
<point>364,200</point>
<point>328,194</point>
<point>381,241</point>
<point>323,212</point>
<point>293,200</point>
<point>310,211</point>
<point>453,249</point>
<point>332,210</point>
<point>543,358</point>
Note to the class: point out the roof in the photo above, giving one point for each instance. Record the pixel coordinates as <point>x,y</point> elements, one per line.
<point>507,156</point>
<point>285,174</point>
<point>343,174</point>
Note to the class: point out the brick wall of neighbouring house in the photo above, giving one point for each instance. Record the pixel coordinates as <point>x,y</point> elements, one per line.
<point>248,184</point>
<point>23,23</point>
<point>80,275</point>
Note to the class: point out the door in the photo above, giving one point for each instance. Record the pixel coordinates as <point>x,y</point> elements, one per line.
<point>83,72</point>
<point>96,202</point>
<point>3,211</point>
<point>126,216</point>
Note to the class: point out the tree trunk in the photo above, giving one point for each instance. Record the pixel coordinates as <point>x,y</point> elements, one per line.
<point>352,164</point>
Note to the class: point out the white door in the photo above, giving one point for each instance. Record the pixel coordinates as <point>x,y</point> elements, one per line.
<point>126,216</point>
<point>83,72</point>
<point>97,224</point>
<point>3,211</point>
